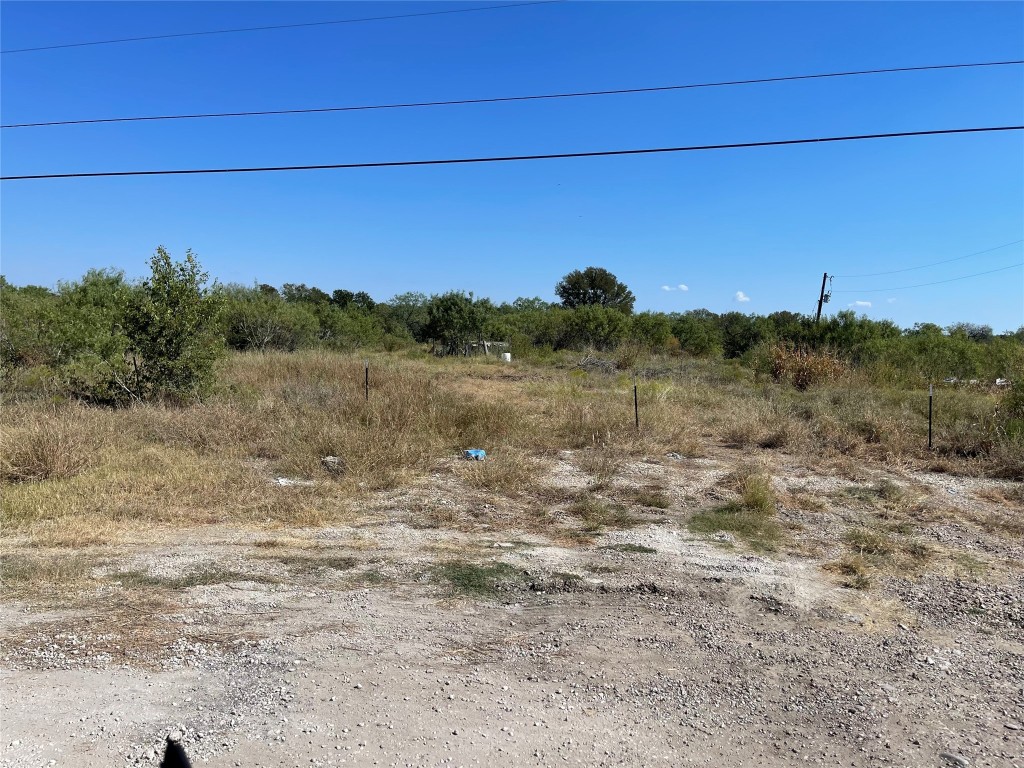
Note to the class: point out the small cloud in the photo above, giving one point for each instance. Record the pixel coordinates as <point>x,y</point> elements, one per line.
<point>666,288</point>
<point>683,287</point>
<point>741,296</point>
<point>891,301</point>
<point>860,304</point>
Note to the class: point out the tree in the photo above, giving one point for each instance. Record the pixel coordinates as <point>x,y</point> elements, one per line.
<point>411,310</point>
<point>594,286</point>
<point>973,331</point>
<point>651,329</point>
<point>301,292</point>
<point>258,320</point>
<point>172,329</point>
<point>453,320</point>
<point>698,333</point>
<point>595,326</point>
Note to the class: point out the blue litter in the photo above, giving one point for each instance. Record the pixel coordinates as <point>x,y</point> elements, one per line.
<point>475,454</point>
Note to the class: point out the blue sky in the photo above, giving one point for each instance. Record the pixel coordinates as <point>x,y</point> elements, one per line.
<point>764,222</point>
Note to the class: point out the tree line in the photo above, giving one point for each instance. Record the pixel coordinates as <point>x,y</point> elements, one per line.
<point>108,339</point>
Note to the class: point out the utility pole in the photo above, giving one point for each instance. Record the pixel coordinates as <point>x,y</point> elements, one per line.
<point>821,297</point>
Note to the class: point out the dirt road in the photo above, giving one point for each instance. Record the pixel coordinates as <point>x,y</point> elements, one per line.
<point>643,647</point>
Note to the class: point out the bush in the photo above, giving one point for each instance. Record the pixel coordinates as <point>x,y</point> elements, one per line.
<point>803,369</point>
<point>1011,412</point>
<point>173,333</point>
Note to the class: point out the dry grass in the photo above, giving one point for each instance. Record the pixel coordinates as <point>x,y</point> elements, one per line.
<point>48,445</point>
<point>510,472</point>
<point>76,476</point>
<point>1008,495</point>
<point>880,551</point>
<point>44,573</point>
<point>596,514</point>
<point>856,571</point>
<point>652,496</point>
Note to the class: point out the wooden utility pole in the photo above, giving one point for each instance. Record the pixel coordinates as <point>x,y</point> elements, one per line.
<point>821,297</point>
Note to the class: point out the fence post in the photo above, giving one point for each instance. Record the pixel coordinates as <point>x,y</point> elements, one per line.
<point>367,380</point>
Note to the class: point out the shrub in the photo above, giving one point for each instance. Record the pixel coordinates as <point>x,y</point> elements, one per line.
<point>802,368</point>
<point>171,324</point>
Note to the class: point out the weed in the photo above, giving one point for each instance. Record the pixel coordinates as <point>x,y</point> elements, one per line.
<point>757,494</point>
<point>805,501</point>
<point>969,564</point>
<point>868,542</point>
<point>918,550</point>
<point>510,472</point>
<point>762,532</point>
<point>372,577</point>
<point>596,514</point>
<point>477,580</point>
<point>803,368</point>
<point>855,569</point>
<point>603,464</point>
<point>314,563</point>
<point>604,568</point>
<point>21,573</point>
<point>202,577</point>
<point>652,497</point>
<point>889,491</point>
<point>635,548</point>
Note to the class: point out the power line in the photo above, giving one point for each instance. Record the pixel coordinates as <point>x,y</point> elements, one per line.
<point>934,263</point>
<point>937,282</point>
<point>495,100</point>
<point>515,158</point>
<point>278,26</point>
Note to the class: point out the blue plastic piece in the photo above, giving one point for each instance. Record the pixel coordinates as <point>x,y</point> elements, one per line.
<point>475,454</point>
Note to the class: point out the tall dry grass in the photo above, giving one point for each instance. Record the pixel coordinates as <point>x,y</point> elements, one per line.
<point>74,475</point>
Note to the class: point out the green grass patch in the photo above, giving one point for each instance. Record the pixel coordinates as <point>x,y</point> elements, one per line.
<point>371,578</point>
<point>199,578</point>
<point>636,548</point>
<point>596,515</point>
<point>25,571</point>
<point>869,542</point>
<point>313,563</point>
<point>652,498</point>
<point>969,564</point>
<point>478,580</point>
<point>759,530</point>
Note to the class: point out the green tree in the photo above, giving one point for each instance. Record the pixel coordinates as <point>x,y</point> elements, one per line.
<point>410,310</point>
<point>453,320</point>
<point>594,286</point>
<point>650,329</point>
<point>258,320</point>
<point>595,326</point>
<point>300,292</point>
<point>698,333</point>
<point>173,333</point>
